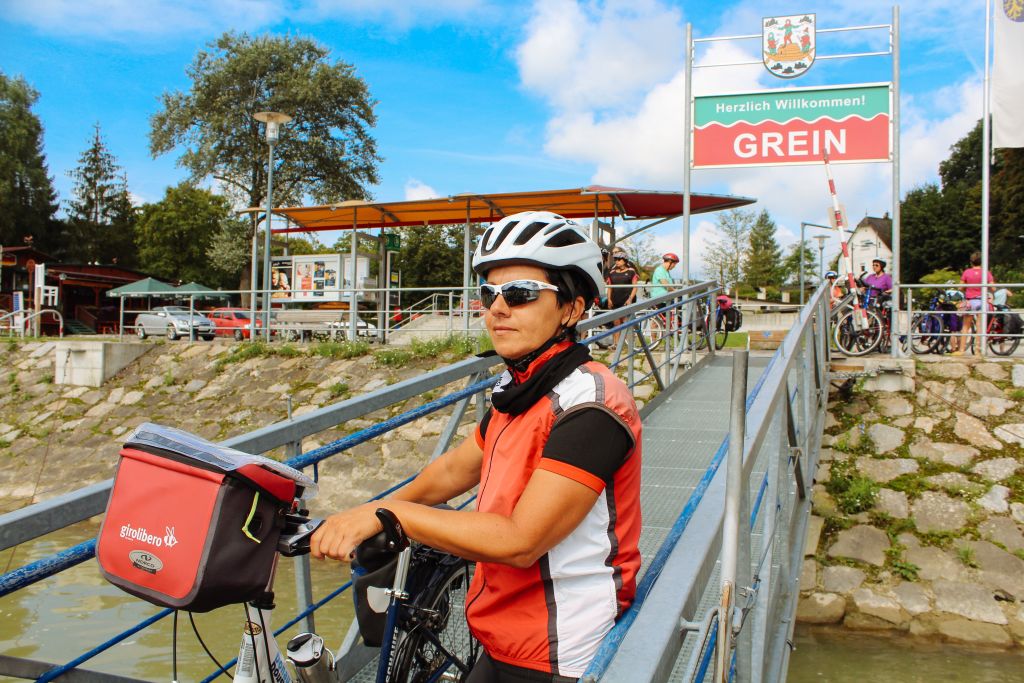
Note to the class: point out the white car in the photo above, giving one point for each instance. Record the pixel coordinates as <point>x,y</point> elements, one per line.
<point>173,321</point>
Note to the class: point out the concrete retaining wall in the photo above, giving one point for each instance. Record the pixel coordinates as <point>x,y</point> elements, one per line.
<point>91,363</point>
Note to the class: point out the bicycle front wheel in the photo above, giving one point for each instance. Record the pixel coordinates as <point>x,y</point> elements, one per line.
<point>925,331</point>
<point>438,644</point>
<point>858,340</point>
<point>653,331</point>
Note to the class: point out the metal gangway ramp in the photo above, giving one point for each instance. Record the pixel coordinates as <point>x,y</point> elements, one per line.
<point>699,534</point>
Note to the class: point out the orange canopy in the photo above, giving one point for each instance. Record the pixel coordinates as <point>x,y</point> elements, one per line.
<point>587,202</point>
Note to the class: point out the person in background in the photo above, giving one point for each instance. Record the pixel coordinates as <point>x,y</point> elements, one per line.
<point>835,292</point>
<point>878,282</point>
<point>661,276</point>
<point>619,275</point>
<point>972,295</point>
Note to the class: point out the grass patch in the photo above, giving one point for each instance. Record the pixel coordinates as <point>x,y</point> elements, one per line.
<point>288,351</point>
<point>338,390</point>
<point>341,349</point>
<point>392,357</point>
<point>736,340</point>
<point>168,378</point>
<point>905,570</point>
<point>243,352</point>
<point>852,492</point>
<point>1019,552</point>
<point>5,444</point>
<point>46,379</point>
<point>966,556</point>
<point>1017,394</point>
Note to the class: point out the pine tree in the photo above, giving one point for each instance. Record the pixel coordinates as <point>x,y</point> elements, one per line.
<point>723,259</point>
<point>101,218</point>
<point>764,258</point>
<point>27,198</point>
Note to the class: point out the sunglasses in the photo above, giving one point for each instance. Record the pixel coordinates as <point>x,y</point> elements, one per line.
<point>515,293</point>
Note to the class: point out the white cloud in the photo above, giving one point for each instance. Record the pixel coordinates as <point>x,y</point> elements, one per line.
<point>416,189</point>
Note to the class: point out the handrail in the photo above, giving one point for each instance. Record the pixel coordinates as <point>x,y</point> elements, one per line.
<point>645,644</point>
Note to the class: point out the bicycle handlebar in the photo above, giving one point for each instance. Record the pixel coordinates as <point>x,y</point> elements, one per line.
<point>298,529</point>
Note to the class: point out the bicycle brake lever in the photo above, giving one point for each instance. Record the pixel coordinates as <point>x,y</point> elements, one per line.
<point>297,543</point>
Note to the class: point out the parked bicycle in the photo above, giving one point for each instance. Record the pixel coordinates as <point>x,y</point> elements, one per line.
<point>656,328</point>
<point>931,332</point>
<point>1003,332</point>
<point>859,332</point>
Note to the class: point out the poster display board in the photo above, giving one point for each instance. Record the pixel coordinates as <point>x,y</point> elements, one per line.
<point>314,277</point>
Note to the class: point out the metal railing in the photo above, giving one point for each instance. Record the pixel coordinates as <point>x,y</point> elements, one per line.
<point>981,319</point>
<point>743,619</point>
<point>671,363</point>
<point>8,321</point>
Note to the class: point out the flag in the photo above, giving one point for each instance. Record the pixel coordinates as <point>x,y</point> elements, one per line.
<point>1008,75</point>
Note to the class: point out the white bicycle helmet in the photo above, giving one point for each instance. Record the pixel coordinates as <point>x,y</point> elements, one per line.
<point>543,239</point>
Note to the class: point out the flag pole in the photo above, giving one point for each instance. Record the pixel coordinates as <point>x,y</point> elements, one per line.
<point>986,161</point>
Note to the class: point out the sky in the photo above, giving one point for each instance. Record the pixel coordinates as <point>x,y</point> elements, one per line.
<point>495,96</point>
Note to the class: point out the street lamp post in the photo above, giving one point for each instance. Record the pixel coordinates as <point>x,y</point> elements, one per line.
<point>273,120</point>
<point>821,256</point>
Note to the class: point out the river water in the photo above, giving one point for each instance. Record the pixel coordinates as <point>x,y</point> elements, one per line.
<point>61,617</point>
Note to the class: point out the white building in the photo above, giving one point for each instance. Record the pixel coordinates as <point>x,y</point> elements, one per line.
<point>871,239</point>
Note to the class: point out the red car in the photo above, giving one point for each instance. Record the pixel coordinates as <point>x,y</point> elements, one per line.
<point>232,322</point>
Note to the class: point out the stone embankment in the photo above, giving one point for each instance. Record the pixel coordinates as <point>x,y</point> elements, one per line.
<point>57,438</point>
<point>918,521</point>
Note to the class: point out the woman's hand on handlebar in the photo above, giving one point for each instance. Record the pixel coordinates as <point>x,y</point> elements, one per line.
<point>340,533</point>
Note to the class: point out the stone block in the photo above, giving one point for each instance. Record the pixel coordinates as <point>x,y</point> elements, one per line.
<point>925,424</point>
<point>989,406</point>
<point>967,600</point>
<point>1004,531</point>
<point>885,437</point>
<point>948,370</point>
<point>882,607</point>
<point>997,568</point>
<point>1011,432</point>
<point>991,371</point>
<point>996,469</point>
<point>814,526</point>
<point>862,543</point>
<point>934,563</point>
<point>996,500</point>
<point>966,631</point>
<point>1017,512</point>
<point>821,608</point>
<point>840,579</point>
<point>894,406</point>
<point>955,454</point>
<point>935,511</point>
<point>1018,375</point>
<point>892,503</point>
<point>983,388</point>
<point>973,431</point>
<point>913,598</point>
<point>808,575</point>
<point>884,470</point>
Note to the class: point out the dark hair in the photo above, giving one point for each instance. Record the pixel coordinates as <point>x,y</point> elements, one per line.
<point>570,286</point>
<point>976,258</point>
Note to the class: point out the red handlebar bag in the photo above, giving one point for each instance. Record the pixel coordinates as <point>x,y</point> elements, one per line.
<point>189,529</point>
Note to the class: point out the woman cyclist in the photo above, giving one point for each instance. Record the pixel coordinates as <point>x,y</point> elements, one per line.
<point>556,459</point>
<point>620,275</point>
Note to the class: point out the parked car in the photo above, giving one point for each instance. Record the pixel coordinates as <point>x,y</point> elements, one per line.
<point>174,321</point>
<point>339,329</point>
<point>233,322</point>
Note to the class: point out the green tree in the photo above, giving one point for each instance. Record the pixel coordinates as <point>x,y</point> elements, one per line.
<point>941,225</point>
<point>723,259</point>
<point>326,152</point>
<point>101,217</point>
<point>791,264</point>
<point>27,198</point>
<point>431,256</point>
<point>175,234</point>
<point>764,257</point>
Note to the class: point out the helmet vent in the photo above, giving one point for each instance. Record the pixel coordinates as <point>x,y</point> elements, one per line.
<point>528,232</point>
<point>489,248</point>
<point>565,238</point>
<point>553,227</point>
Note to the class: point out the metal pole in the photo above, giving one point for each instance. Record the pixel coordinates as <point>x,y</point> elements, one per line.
<point>120,319</point>
<point>252,283</point>
<point>986,162</point>
<point>266,244</point>
<point>687,123</point>
<point>731,520</point>
<point>821,261</point>
<point>467,267</point>
<point>894,345</point>
<point>802,226</point>
<point>353,305</point>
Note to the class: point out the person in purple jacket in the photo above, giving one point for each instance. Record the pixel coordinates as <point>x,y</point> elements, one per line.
<point>878,281</point>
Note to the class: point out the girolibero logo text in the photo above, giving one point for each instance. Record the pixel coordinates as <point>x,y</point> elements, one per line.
<point>793,126</point>
<point>143,535</point>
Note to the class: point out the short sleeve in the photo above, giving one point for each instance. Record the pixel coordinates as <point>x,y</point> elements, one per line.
<point>587,445</point>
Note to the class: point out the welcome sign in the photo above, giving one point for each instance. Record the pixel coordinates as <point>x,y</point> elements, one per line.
<point>793,126</point>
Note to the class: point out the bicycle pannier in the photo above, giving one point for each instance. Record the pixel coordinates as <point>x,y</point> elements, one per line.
<point>1012,324</point>
<point>192,525</point>
<point>733,319</point>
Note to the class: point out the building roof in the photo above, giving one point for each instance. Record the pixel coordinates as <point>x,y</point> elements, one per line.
<point>594,201</point>
<point>882,227</point>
